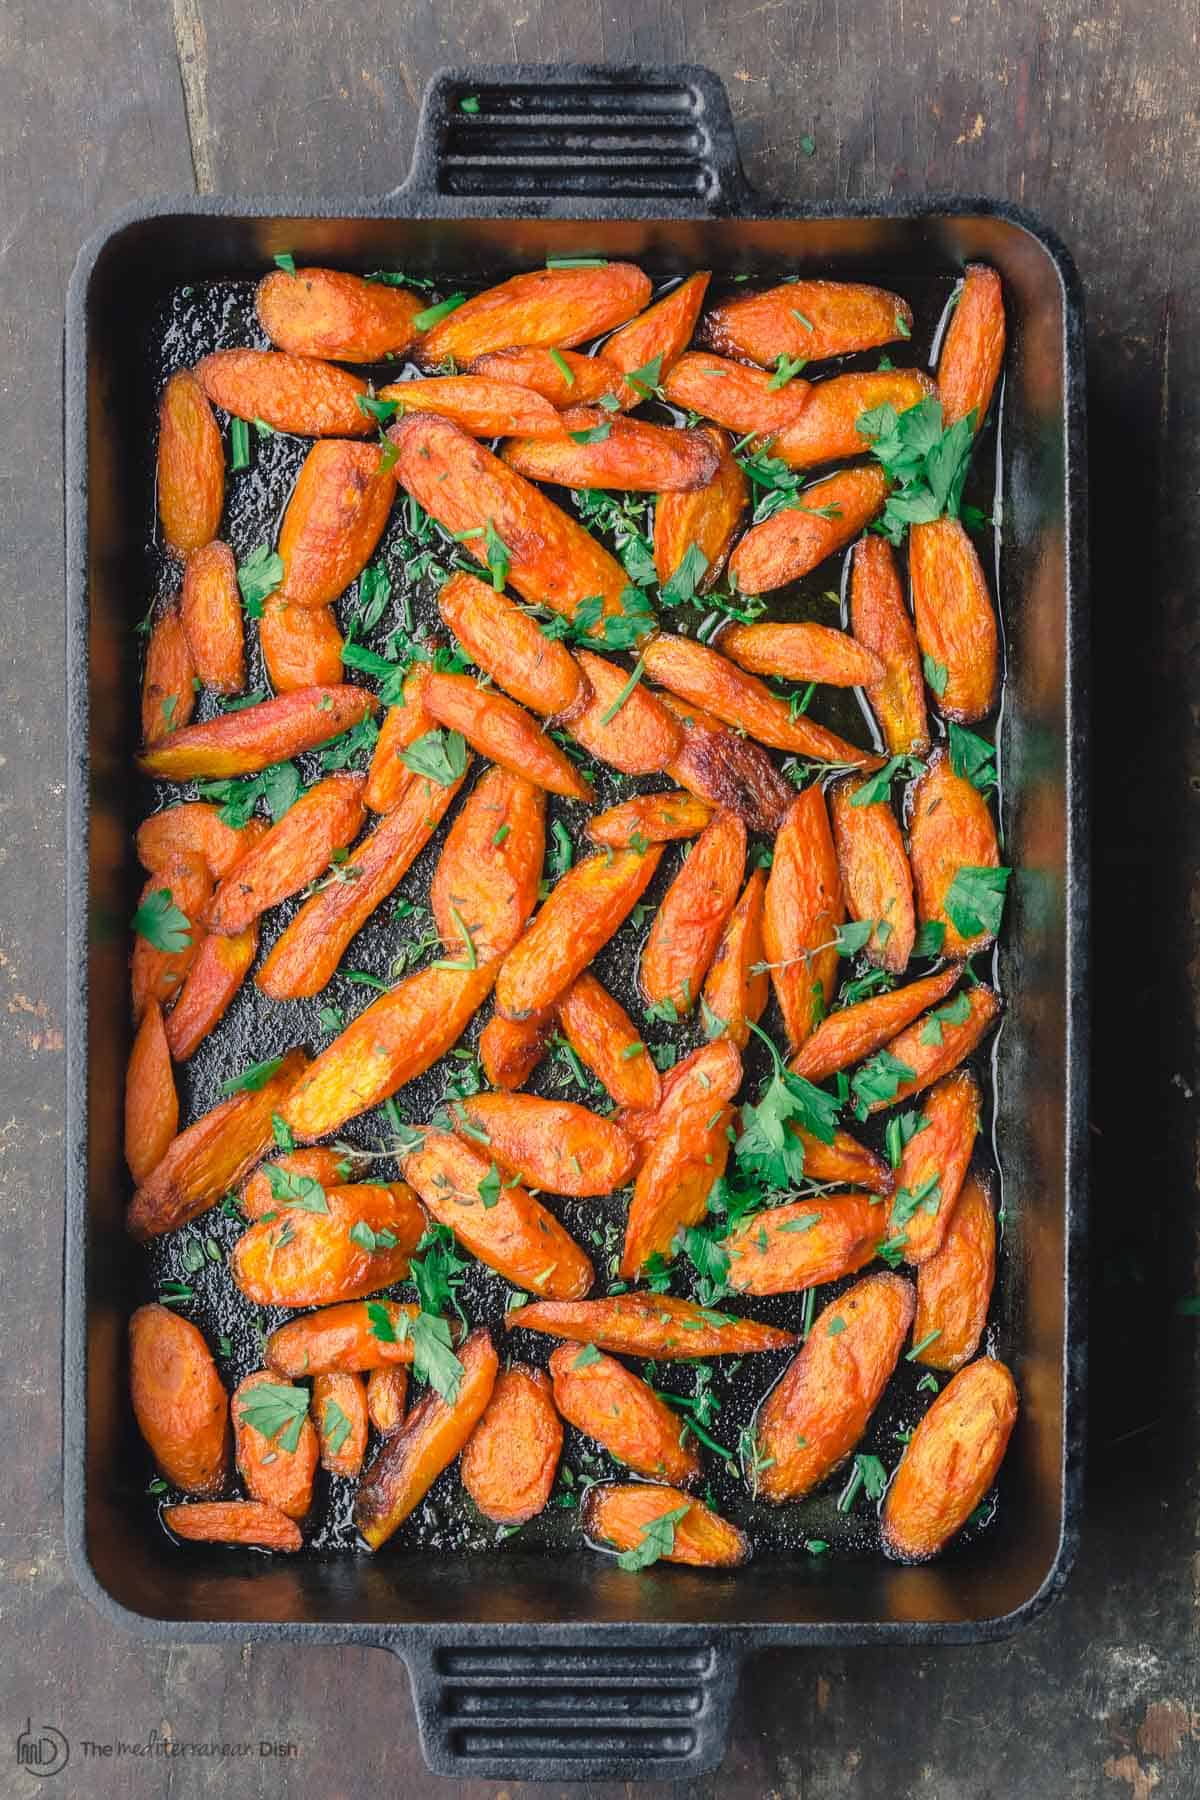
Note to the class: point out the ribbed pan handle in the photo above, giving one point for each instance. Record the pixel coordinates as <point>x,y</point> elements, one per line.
<point>522,1711</point>
<point>598,136</point>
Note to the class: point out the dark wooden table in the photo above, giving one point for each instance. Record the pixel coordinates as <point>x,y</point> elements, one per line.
<point>1088,115</point>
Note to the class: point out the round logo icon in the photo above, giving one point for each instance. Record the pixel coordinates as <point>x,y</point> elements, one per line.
<point>43,1752</point>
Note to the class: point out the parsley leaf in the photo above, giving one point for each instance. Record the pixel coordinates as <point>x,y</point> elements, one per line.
<point>335,1427</point>
<point>658,1540</point>
<point>300,1191</point>
<point>644,381</point>
<point>683,585</point>
<point>258,577</point>
<point>424,321</point>
<point>974,901</point>
<point>972,757</point>
<point>926,462</point>
<point>595,434</point>
<point>879,1079</point>
<point>767,1149</point>
<point>878,786</point>
<point>439,755</point>
<point>161,923</point>
<point>252,1079</point>
<point>957,1012</point>
<point>276,1410</point>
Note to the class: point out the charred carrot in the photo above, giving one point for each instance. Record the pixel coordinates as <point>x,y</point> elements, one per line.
<point>653,1325</point>
<point>151,1104</point>
<point>191,466</point>
<point>736,987</point>
<point>692,915</point>
<point>955,619</point>
<point>212,619</point>
<point>511,1458</point>
<point>180,1405</point>
<point>880,622</point>
<point>786,1248</point>
<point>168,693</point>
<point>334,519</point>
<point>326,312</point>
<point>725,769</point>
<point>876,878</point>
<point>387,1394</point>
<point>846,1036</point>
<point>801,653</point>
<point>828,515</point>
<point>951,1461</point>
<point>511,1049</point>
<point>243,743</point>
<point>504,732</point>
<point>550,1144</point>
<point>295,394</point>
<point>294,852</point>
<point>952,844</point>
<point>802,910</point>
<point>507,645</point>
<point>973,347</point>
<point>623,725</point>
<point>597,449</point>
<point>954,1286</point>
<point>606,1041</point>
<point>485,885</point>
<point>810,319</point>
<point>585,908</point>
<point>607,1402</point>
<point>221,965</point>
<point>559,307</point>
<point>658,818</point>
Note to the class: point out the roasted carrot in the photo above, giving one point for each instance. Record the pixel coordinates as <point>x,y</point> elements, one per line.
<point>933,1166</point>
<point>197,828</point>
<point>649,346</point>
<point>812,319</point>
<point>674,1182</point>
<point>339,1405</point>
<point>597,449</point>
<point>735,396</point>
<point>653,1325</point>
<point>812,1419</point>
<point>876,878</point>
<point>549,558</point>
<point>786,1248</point>
<point>559,307</point>
<point>692,915</point>
<point>561,376</point>
<point>234,1522</point>
<point>360,1335</point>
<point>703,522</point>
<point>397,1038</point>
<point>325,312</point>
<point>701,1082</point>
<point>551,1144</point>
<point>802,910</point>
<point>151,1104</point>
<point>511,1049</point>
<point>212,618</point>
<point>827,429</point>
<point>243,743</point>
<point>180,1405</point>
<point>955,619</point>
<point>485,885</point>
<point>307,954</point>
<point>387,1394</point>
<point>846,1036</point>
<point>606,1401</point>
<point>301,645</point>
<point>954,1286</point>
<point>290,393</point>
<point>951,1461</point>
<point>168,693</point>
<point>191,466</point>
<point>294,852</point>
<point>658,818</point>
<point>409,1461</point>
<point>511,1458</point>
<point>507,645</point>
<point>220,967</point>
<point>801,653</point>
<point>623,1517</point>
<point>794,540</point>
<point>880,622</point>
<point>481,405</point>
<point>736,988</point>
<point>606,1041</point>
<point>495,1218</point>
<point>158,971</point>
<point>927,1056</point>
<point>208,1159</point>
<point>844,1161</point>
<point>328,1168</point>
<point>705,678</point>
<point>723,768</point>
<point>626,727</point>
<point>504,732</point>
<point>584,908</point>
<point>320,1248</point>
<point>403,724</point>
<point>952,842</point>
<point>276,1443</point>
<point>973,347</point>
<point>334,519</point>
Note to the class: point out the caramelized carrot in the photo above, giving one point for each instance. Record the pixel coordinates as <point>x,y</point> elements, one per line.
<point>692,915</point>
<point>178,1400</point>
<point>334,519</point>
<point>628,728</point>
<point>674,1182</point>
<point>973,347</point>
<point>151,1105</point>
<point>700,1538</point>
<point>220,967</point>
<point>876,878</point>
<point>846,1036</point>
<point>954,1286</point>
<point>827,429</point>
<point>802,909</point>
<point>801,653</point>
<point>597,449</point>
<point>506,644</point>
<point>296,394</point>
<point>339,1404</point>
<point>387,1394</point>
<point>301,645</point>
<point>307,954</point>
<point>325,312</point>
<point>658,818</point>
<point>607,1402</point>
<point>243,743</point>
<point>951,1461</point>
<point>551,1144</point>
<point>706,678</point>
<point>234,1522</point>
<point>796,539</point>
<point>197,828</point>
<point>561,376</point>
<point>702,1082</point>
<point>740,398</point>
<point>927,1057</point>
<point>559,307</point>
<point>191,466</point>
<point>586,906</point>
<point>735,988</point>
<point>212,618</point>
<point>844,1161</point>
<point>403,724</point>
<point>293,853</point>
<point>486,881</point>
<point>880,622</point>
<point>803,1245</point>
<point>411,1459</point>
<point>955,619</point>
<point>496,1220</point>
<point>812,319</point>
<point>276,1463</point>
<point>485,408</point>
<point>950,830</point>
<point>504,732</point>
<point>657,338</point>
<point>328,1168</point>
<point>319,1249</point>
<point>168,694</point>
<point>204,1162</point>
<point>511,1458</point>
<point>704,521</point>
<point>934,1164</point>
<point>812,1419</point>
<point>607,1042</point>
<point>511,1049</point>
<point>719,766</point>
<point>360,1335</point>
<point>653,1325</point>
<point>158,973</point>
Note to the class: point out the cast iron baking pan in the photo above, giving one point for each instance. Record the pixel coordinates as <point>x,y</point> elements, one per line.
<point>562,1667</point>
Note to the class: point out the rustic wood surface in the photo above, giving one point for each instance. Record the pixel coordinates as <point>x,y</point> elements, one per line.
<point>1087,114</point>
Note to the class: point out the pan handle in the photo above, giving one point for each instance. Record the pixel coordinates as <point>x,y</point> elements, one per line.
<point>588,140</point>
<point>510,1706</point>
